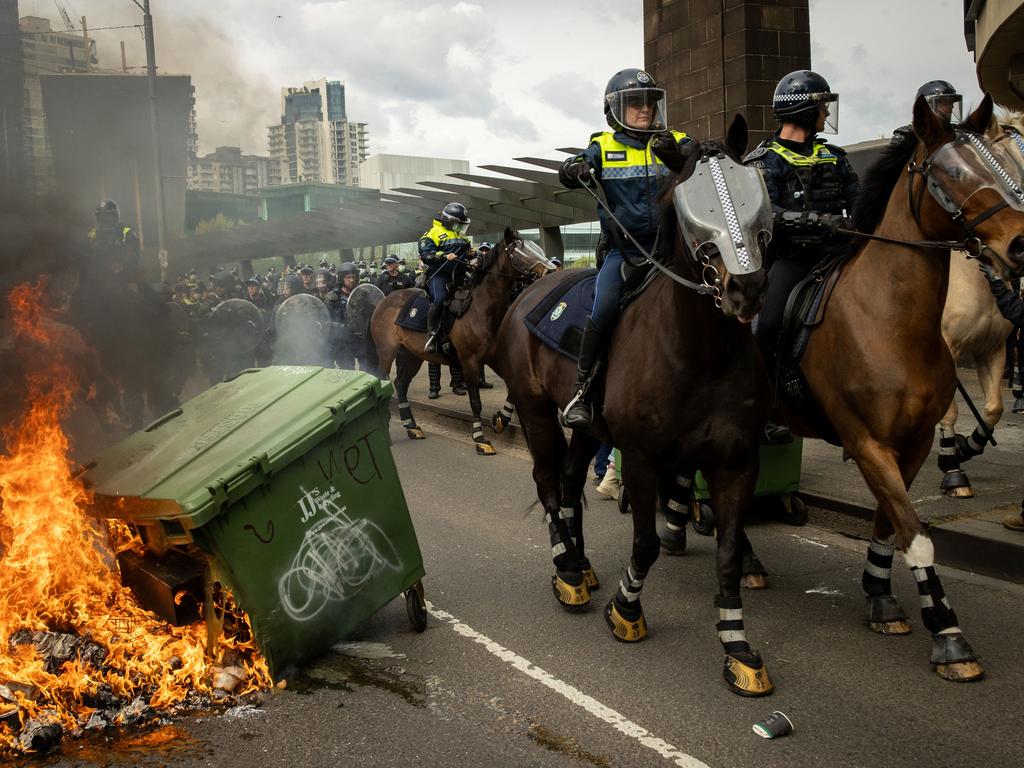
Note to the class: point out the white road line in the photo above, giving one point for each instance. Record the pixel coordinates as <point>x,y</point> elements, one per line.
<point>574,695</point>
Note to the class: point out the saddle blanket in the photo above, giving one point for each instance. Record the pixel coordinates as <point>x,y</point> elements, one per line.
<point>558,320</point>
<point>413,316</point>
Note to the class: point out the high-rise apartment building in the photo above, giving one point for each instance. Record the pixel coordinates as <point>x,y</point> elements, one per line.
<point>228,170</point>
<point>12,98</point>
<point>315,141</point>
<point>46,51</point>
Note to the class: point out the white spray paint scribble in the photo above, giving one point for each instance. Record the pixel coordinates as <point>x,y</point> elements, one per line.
<point>337,558</point>
<point>822,590</point>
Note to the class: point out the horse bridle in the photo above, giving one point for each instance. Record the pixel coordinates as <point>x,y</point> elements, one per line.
<point>516,244</point>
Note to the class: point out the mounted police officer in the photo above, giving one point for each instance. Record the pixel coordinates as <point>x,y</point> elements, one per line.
<point>391,279</point>
<point>630,161</point>
<point>441,248</point>
<point>944,101</point>
<point>812,188</point>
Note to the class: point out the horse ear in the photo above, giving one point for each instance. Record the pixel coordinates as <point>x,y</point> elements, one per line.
<point>927,125</point>
<point>510,235</point>
<point>978,121</point>
<point>737,137</point>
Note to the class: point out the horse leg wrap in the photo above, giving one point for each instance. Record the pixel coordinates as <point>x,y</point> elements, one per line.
<point>878,569</point>
<point>948,458</point>
<point>559,533</point>
<point>624,614</point>
<point>434,375</point>
<point>744,672</point>
<point>673,533</point>
<point>936,612</point>
<point>969,447</point>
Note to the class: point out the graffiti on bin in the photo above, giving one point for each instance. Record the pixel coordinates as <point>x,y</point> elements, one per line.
<point>338,556</point>
<point>353,458</point>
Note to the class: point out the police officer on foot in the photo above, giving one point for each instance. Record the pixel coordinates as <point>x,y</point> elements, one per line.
<point>812,188</point>
<point>440,249</point>
<point>115,246</point>
<point>391,279</point>
<point>629,163</point>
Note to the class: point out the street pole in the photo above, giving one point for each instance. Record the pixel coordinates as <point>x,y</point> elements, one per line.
<point>154,118</point>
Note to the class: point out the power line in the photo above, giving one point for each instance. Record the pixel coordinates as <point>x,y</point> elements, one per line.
<point>58,32</point>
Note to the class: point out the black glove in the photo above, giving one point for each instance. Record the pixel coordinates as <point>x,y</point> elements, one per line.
<point>670,152</point>
<point>833,222</point>
<point>576,171</point>
<point>989,273</point>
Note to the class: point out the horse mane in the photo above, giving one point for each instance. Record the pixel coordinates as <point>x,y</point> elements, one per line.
<point>877,185</point>
<point>486,262</point>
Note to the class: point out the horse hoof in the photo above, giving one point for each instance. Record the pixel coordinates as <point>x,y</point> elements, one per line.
<point>572,597</point>
<point>624,630</point>
<point>754,580</point>
<point>415,433</point>
<point>484,449</point>
<point>885,616</point>
<point>961,671</point>
<point>499,423</point>
<point>590,577</point>
<point>747,676</point>
<point>963,492</point>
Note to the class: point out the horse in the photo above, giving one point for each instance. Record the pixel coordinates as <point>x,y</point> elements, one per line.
<point>974,329</point>
<point>472,335</point>
<point>877,365</point>
<point>685,388</point>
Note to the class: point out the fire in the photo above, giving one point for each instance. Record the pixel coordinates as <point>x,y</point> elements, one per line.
<point>58,574</point>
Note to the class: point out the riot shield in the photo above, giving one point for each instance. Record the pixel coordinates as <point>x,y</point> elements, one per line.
<point>361,303</point>
<point>303,329</point>
<point>234,327</point>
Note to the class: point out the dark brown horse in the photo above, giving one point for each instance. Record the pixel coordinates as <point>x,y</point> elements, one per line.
<point>685,389</point>
<point>472,335</point>
<point>878,365</point>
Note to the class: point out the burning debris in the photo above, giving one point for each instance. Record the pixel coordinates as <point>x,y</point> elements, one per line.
<point>77,652</point>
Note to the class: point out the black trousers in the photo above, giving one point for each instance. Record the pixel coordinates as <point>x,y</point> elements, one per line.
<point>783,276</point>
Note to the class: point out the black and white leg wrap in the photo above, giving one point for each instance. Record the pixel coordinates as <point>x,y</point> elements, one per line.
<point>948,458</point>
<point>730,625</point>
<point>478,432</point>
<point>628,596</point>
<point>405,412</point>
<point>506,411</point>
<point>968,448</point>
<point>878,568</point>
<point>937,613</point>
<point>559,551</point>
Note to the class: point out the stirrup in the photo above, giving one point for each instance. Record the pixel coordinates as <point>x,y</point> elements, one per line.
<point>431,345</point>
<point>581,421</point>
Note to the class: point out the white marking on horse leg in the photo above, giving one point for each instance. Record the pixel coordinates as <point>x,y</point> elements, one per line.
<point>921,552</point>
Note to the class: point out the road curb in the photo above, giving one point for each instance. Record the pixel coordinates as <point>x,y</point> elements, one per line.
<point>969,544</point>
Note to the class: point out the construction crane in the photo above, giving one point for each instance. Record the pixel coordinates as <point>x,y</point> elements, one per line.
<point>68,24</point>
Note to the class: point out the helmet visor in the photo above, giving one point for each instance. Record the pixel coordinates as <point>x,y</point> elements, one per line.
<point>639,109</point>
<point>828,106</point>
<point>948,107</point>
<point>460,227</point>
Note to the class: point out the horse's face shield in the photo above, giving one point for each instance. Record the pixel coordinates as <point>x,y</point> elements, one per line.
<point>724,207</point>
<point>528,258</point>
<point>969,164</point>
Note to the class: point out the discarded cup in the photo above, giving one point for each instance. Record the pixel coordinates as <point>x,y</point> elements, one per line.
<point>773,726</point>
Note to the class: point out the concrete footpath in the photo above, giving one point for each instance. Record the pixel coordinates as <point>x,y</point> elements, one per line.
<point>968,533</point>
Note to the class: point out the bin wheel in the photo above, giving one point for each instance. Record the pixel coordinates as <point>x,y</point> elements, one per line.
<point>794,510</point>
<point>623,500</point>
<point>416,606</point>
<point>702,518</point>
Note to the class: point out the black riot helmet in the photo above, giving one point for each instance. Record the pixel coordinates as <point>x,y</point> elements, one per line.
<point>801,96</point>
<point>633,92</point>
<point>942,97</point>
<point>455,217</point>
<point>347,268</point>
<point>290,285</point>
<point>324,279</point>
<point>107,216</point>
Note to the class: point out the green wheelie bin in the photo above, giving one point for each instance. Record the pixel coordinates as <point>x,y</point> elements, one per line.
<point>279,486</point>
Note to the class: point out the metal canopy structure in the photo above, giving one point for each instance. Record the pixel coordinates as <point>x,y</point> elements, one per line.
<point>521,197</point>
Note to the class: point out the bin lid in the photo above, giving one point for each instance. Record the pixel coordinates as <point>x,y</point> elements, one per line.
<point>194,461</point>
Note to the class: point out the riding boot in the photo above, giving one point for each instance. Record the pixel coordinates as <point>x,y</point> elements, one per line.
<point>579,411</point>
<point>774,434</point>
<point>433,326</point>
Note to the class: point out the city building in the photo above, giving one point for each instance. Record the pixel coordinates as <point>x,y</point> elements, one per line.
<point>46,51</point>
<point>993,33</point>
<point>386,172</point>
<point>227,170</point>
<point>315,141</point>
<point>11,98</point>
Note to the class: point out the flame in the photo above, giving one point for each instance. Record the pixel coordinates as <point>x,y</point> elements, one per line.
<point>58,572</point>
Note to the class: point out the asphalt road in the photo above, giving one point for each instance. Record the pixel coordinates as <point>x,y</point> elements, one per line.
<point>503,677</point>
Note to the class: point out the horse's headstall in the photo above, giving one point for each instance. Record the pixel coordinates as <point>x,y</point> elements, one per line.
<point>527,257</point>
<point>970,158</point>
<point>724,206</point>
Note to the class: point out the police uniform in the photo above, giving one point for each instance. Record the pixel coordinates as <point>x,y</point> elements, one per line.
<point>435,246</point>
<point>389,284</point>
<point>812,187</point>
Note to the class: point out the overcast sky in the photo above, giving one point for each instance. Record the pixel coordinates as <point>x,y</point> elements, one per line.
<point>488,80</point>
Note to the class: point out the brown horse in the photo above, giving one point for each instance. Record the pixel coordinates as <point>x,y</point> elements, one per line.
<point>878,366</point>
<point>685,389</point>
<point>472,335</point>
<point>975,330</point>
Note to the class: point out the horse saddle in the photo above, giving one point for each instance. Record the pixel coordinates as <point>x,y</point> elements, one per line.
<point>559,318</point>
<point>413,317</point>
<point>805,310</point>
